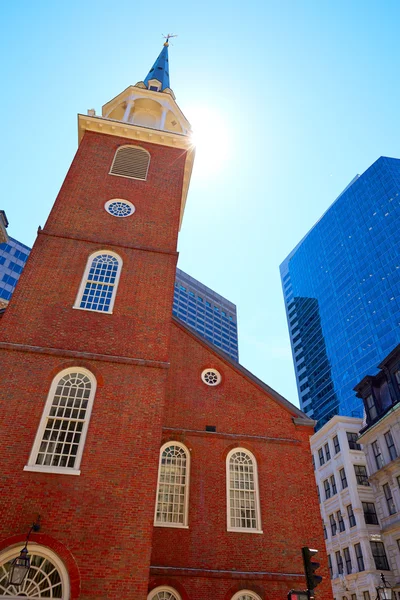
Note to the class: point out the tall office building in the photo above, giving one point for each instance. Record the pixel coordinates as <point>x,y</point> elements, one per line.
<point>13,256</point>
<point>341,287</point>
<point>207,312</point>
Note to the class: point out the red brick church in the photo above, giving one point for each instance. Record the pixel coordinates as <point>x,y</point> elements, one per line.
<point>160,468</point>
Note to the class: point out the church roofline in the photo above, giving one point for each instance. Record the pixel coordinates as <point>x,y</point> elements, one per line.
<point>299,418</point>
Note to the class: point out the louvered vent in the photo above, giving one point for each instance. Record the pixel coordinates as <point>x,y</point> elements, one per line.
<point>131,161</point>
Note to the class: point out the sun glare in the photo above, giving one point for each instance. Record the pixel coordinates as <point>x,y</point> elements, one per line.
<point>211,138</point>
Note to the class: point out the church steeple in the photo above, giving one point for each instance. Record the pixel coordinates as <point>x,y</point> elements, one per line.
<point>158,77</point>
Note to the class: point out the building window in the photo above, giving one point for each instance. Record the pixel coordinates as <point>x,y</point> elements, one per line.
<point>366,596</point>
<point>390,445</point>
<point>377,454</point>
<point>99,283</point>
<point>340,521</point>
<point>347,560</point>
<point>132,162</point>
<point>325,532</point>
<point>352,518</point>
<point>242,491</point>
<point>47,576</point>
<point>359,556</point>
<point>333,525</point>
<point>371,408</point>
<point>361,474</point>
<point>173,486</point>
<point>330,566</point>
<point>370,513</point>
<point>397,375</point>
<point>352,439</point>
<point>336,444</point>
<point>354,597</point>
<point>333,484</point>
<point>245,595</point>
<point>319,495</point>
<point>119,208</point>
<point>62,431</point>
<point>379,554</point>
<point>313,461</point>
<point>211,377</point>
<point>321,457</point>
<point>389,499</point>
<point>327,488</point>
<point>327,452</point>
<point>163,593</point>
<point>343,478</point>
<point>339,562</point>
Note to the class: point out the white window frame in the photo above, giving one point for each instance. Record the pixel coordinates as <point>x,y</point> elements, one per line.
<point>253,595</point>
<point>14,551</point>
<point>164,588</point>
<point>128,176</point>
<point>256,492</point>
<point>85,279</point>
<point>185,524</point>
<point>32,466</point>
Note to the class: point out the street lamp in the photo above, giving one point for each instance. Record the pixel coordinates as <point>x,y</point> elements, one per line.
<point>20,566</point>
<point>385,591</point>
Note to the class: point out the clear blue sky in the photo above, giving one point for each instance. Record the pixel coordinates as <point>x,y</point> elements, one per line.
<point>303,94</point>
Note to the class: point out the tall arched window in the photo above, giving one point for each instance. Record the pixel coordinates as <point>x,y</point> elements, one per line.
<point>246,595</point>
<point>62,431</point>
<point>173,486</point>
<point>131,161</point>
<point>99,283</point>
<point>164,593</point>
<point>47,577</point>
<point>242,492</point>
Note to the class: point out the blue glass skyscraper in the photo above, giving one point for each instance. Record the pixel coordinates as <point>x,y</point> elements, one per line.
<point>13,256</point>
<point>341,287</point>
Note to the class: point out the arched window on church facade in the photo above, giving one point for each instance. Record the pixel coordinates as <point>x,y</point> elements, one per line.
<point>173,486</point>
<point>164,593</point>
<point>100,282</point>
<point>132,162</point>
<point>243,505</point>
<point>60,439</point>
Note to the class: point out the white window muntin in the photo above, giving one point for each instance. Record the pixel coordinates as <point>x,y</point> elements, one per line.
<point>164,593</point>
<point>246,595</point>
<point>99,280</point>
<point>117,207</point>
<point>29,586</point>
<point>53,404</point>
<point>132,162</point>
<point>178,507</point>
<point>242,493</point>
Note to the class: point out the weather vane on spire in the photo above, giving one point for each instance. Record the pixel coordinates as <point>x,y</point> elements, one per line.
<point>167,38</point>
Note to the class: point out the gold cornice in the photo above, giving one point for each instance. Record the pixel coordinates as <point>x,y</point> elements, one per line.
<point>144,134</point>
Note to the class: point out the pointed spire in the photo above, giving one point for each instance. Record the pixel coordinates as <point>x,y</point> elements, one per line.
<point>160,69</point>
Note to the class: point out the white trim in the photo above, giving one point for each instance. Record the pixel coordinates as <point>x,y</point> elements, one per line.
<point>85,278</point>
<point>257,529</point>
<point>238,595</point>
<point>33,548</point>
<point>32,466</point>
<point>107,206</point>
<point>163,588</point>
<point>185,524</point>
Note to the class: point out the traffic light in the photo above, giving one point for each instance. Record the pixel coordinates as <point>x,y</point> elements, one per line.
<point>310,567</point>
<point>293,595</point>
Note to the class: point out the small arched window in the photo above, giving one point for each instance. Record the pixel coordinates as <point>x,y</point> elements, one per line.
<point>47,577</point>
<point>173,486</point>
<point>243,506</point>
<point>164,593</point>
<point>132,162</point>
<point>99,283</point>
<point>246,595</point>
<point>62,431</point>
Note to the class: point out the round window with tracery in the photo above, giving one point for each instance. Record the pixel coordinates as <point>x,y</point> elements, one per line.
<point>211,377</point>
<point>45,579</point>
<point>119,208</point>
<point>164,593</point>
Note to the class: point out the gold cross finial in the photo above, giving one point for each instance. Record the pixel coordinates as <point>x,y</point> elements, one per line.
<point>167,37</point>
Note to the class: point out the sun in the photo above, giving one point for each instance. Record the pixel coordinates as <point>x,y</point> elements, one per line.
<point>210,135</point>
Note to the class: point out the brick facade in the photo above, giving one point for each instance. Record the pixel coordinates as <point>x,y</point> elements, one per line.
<point>149,391</point>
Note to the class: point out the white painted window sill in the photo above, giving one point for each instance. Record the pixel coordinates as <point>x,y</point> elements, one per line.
<point>54,470</point>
